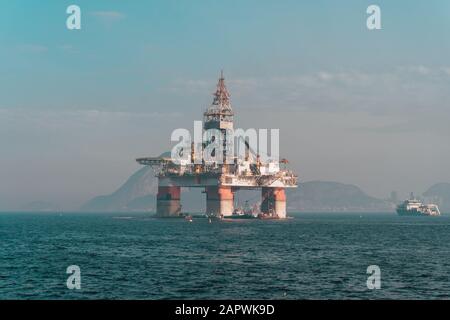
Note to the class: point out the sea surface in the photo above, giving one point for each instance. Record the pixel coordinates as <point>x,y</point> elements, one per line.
<point>312,256</point>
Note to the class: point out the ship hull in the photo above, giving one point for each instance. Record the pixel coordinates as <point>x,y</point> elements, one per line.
<point>409,213</point>
<point>413,213</point>
<point>241,216</point>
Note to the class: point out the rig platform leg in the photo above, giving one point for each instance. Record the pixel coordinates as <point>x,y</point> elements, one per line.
<point>168,201</point>
<point>273,201</point>
<point>219,201</point>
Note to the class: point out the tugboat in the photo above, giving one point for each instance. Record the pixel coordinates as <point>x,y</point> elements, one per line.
<point>414,207</point>
<point>245,213</point>
<point>212,217</point>
<point>271,215</point>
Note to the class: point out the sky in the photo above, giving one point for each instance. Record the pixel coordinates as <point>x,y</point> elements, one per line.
<point>359,106</point>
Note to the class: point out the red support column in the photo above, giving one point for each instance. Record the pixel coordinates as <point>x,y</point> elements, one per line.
<point>273,202</point>
<point>219,201</point>
<point>168,201</point>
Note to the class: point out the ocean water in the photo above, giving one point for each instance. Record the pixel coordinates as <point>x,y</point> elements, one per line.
<point>313,256</point>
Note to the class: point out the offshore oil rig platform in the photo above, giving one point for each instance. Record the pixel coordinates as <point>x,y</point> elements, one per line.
<point>221,180</point>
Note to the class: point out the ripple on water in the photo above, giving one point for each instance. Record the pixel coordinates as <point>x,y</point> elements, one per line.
<point>311,256</point>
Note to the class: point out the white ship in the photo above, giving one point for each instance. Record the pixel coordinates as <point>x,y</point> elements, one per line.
<point>414,207</point>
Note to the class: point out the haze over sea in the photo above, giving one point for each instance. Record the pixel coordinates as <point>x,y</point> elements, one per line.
<point>313,256</point>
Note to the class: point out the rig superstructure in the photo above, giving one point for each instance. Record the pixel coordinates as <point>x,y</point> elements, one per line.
<point>221,180</point>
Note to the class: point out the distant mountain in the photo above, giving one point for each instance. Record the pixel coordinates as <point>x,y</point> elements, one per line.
<point>40,206</point>
<point>138,193</point>
<point>440,195</point>
<point>326,196</point>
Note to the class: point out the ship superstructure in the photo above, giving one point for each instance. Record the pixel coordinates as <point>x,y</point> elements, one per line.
<point>414,207</point>
<point>220,180</point>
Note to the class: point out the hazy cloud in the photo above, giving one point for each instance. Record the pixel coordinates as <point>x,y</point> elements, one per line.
<point>108,16</point>
<point>32,48</point>
<point>63,118</point>
<point>403,89</point>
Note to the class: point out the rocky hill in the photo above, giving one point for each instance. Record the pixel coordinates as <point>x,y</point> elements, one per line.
<point>328,196</point>
<point>440,195</point>
<point>138,193</point>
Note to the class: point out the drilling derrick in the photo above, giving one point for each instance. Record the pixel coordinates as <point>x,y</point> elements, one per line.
<point>219,116</point>
<point>213,165</point>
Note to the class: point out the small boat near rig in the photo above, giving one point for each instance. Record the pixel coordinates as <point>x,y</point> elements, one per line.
<point>246,212</point>
<point>414,207</point>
